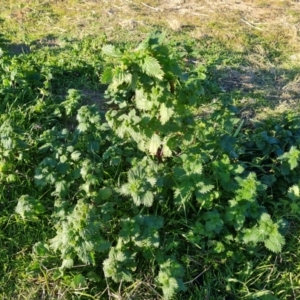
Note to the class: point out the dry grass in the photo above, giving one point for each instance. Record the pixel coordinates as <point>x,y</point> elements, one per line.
<point>243,26</point>
<point>225,19</point>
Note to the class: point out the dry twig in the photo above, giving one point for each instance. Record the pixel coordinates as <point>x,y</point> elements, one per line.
<point>154,8</point>
<point>248,23</point>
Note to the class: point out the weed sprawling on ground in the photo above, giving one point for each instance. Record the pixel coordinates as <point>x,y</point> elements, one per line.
<point>162,167</point>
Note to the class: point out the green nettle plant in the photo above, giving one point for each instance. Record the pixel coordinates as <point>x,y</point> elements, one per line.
<point>153,185</point>
<point>190,171</point>
<point>151,96</point>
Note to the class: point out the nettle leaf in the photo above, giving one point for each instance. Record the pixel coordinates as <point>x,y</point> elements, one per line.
<point>139,186</point>
<point>7,143</point>
<point>142,231</point>
<point>83,126</point>
<point>215,246</point>
<point>61,188</point>
<point>167,152</point>
<point>294,192</point>
<point>141,100</point>
<point>92,179</point>
<point>249,187</point>
<point>130,229</point>
<point>111,51</point>
<point>119,265</point>
<point>204,187</point>
<point>152,67</point>
<point>75,155</point>
<point>192,164</point>
<point>170,286</point>
<point>292,157</point>
<point>105,193</point>
<point>236,213</point>
<point>184,193</point>
<point>165,113</point>
<point>147,199</point>
<point>78,233</point>
<point>93,277</point>
<point>72,102</point>
<point>67,263</point>
<point>170,278</point>
<point>251,236</point>
<point>126,189</point>
<point>265,219</point>
<point>40,249</point>
<point>107,75</point>
<point>268,179</point>
<point>152,180</point>
<point>213,221</point>
<point>143,198</point>
<point>267,232</point>
<point>154,144</point>
<point>154,39</point>
<point>275,242</point>
<point>121,76</point>
<point>93,146</point>
<point>63,167</point>
<point>29,208</point>
<point>79,281</point>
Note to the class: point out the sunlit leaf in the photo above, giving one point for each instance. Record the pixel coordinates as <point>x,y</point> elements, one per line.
<point>111,51</point>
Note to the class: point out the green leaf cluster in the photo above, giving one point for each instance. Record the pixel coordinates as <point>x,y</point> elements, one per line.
<point>152,96</point>
<point>267,232</point>
<point>170,277</point>
<point>151,187</point>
